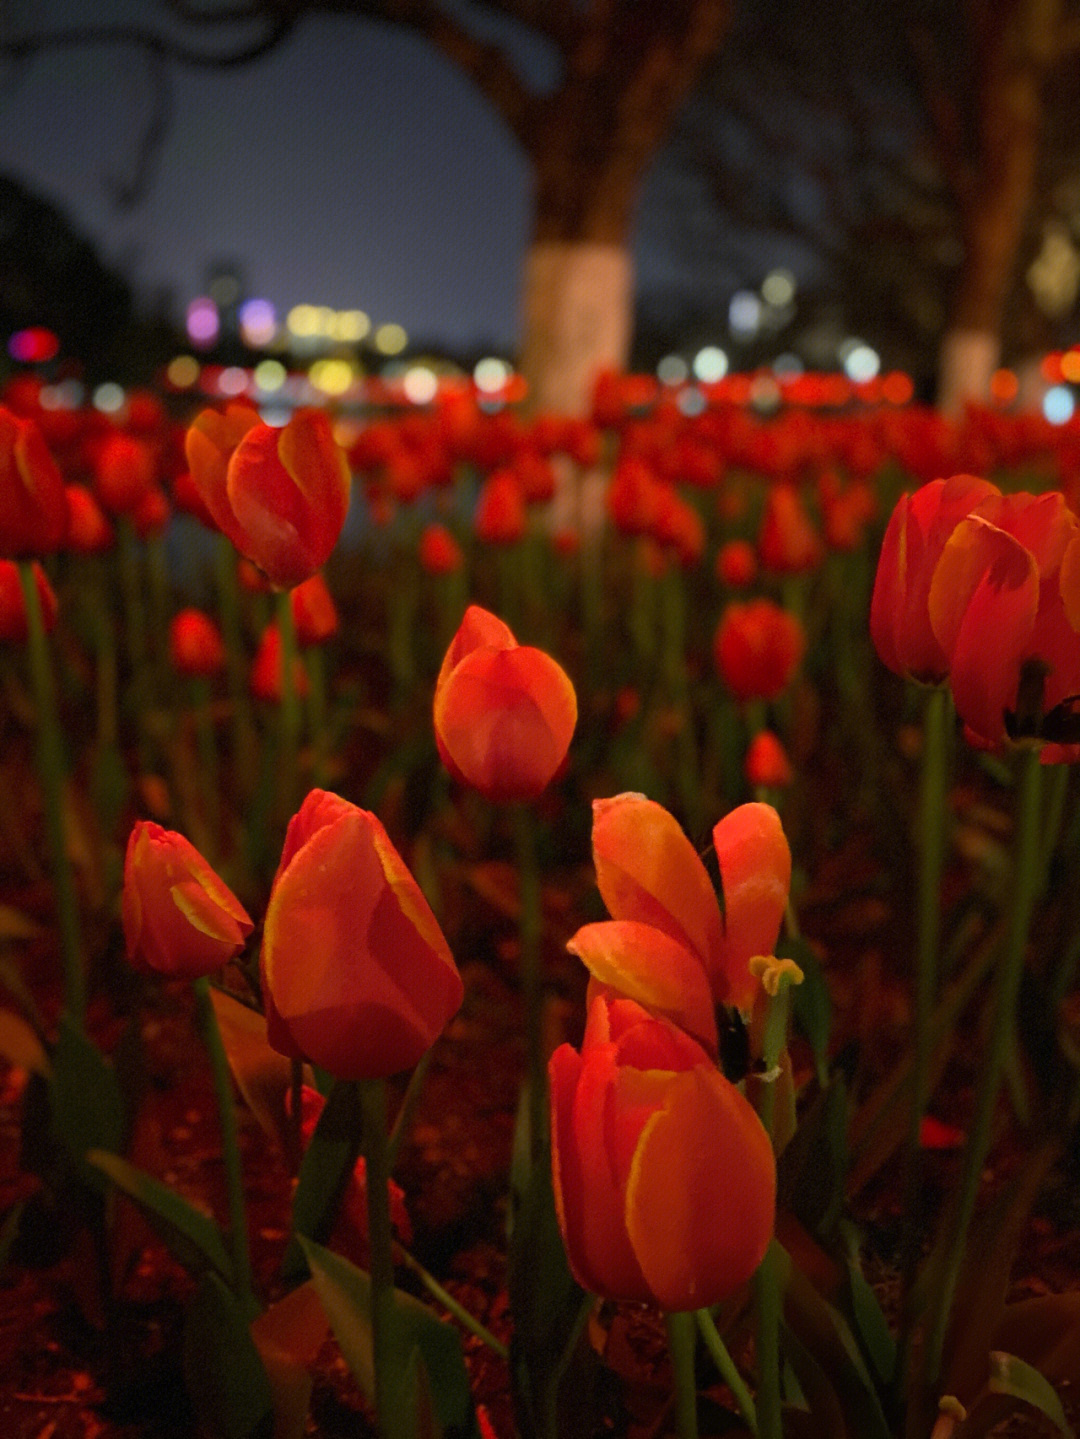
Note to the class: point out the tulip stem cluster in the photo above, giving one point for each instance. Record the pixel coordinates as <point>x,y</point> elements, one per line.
<point>530,934</point>
<point>206,1021</point>
<point>681,1335</point>
<point>726,1368</point>
<point>376,1158</point>
<point>1026,871</point>
<point>51,772</point>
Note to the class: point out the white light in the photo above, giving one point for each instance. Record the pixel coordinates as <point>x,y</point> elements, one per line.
<point>787,366</point>
<point>778,288</point>
<point>108,398</point>
<point>691,402</point>
<point>232,381</point>
<point>672,370</point>
<point>490,375</point>
<point>710,364</point>
<point>420,384</point>
<point>66,395</point>
<point>861,363</point>
<point>275,415</point>
<point>744,313</point>
<point>1058,404</point>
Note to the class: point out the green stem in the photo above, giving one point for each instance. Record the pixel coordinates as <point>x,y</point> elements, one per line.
<point>50,760</point>
<point>389,1419</point>
<point>551,1389</point>
<point>289,716</point>
<point>1026,858</point>
<point>931,842</point>
<point>407,1108</point>
<point>681,1333</point>
<point>134,602</point>
<point>209,779</point>
<point>726,1367</point>
<point>449,1303</point>
<point>529,932</point>
<point>230,1145</point>
<point>316,669</point>
<point>235,665</point>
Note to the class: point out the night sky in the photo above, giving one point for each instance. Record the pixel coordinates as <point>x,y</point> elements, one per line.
<point>352,168</point>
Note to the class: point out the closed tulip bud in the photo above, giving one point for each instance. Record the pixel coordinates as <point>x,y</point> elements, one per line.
<point>736,564</point>
<point>266,676</point>
<point>89,529</point>
<point>314,612</point>
<point>13,623</point>
<point>663,1175</point>
<point>124,471</point>
<point>180,919</point>
<point>357,977</point>
<point>33,501</point>
<point>500,518</point>
<point>767,765</point>
<point>915,537</point>
<point>151,514</point>
<point>209,444</point>
<point>504,713</point>
<point>757,648</point>
<point>196,648</point>
<point>788,543</point>
<point>439,551</point>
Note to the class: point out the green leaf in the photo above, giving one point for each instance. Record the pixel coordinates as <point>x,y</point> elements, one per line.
<point>811,1005</point>
<point>20,1045</point>
<point>345,1292</point>
<point>870,1324</point>
<point>192,1236</point>
<point>261,1074</point>
<point>1012,1377</point>
<point>813,1167</point>
<point>328,1161</point>
<point>225,1377</point>
<point>86,1103</point>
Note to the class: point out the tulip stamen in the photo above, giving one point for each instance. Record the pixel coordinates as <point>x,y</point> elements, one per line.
<point>774,973</point>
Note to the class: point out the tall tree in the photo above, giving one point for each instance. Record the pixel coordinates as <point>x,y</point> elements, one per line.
<point>622,71</point>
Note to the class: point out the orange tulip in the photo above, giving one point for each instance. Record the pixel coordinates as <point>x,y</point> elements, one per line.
<point>767,765</point>
<point>1009,572</point>
<point>356,974</point>
<point>439,551</point>
<point>281,495</point>
<point>504,713</point>
<point>179,919</point>
<point>33,502</point>
<point>916,534</point>
<point>664,1177</point>
<point>650,876</point>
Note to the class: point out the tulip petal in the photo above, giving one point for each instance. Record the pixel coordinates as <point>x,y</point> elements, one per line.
<point>755,878</point>
<point>647,965</point>
<point>479,629</point>
<point>701,1196</point>
<point>647,870</point>
<point>1069,581</point>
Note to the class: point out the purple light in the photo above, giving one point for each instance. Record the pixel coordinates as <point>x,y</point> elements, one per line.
<point>203,323</point>
<point>35,346</point>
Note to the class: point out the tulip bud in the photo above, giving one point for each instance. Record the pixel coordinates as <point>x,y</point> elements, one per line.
<point>500,517</point>
<point>315,615</point>
<point>504,713</point>
<point>13,621</point>
<point>266,676</point>
<point>124,471</point>
<point>195,645</point>
<point>788,543</point>
<point>736,564</point>
<point>89,530</point>
<point>179,919</point>
<point>757,649</point>
<point>33,502</point>
<point>439,551</point>
<point>767,765</point>
<point>356,975</point>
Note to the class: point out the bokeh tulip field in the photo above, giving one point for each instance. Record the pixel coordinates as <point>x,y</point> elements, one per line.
<point>525,926</point>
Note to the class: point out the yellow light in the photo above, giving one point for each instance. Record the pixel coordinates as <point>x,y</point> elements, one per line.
<point>332,376</point>
<point>351,325</point>
<point>1070,366</point>
<point>183,371</point>
<point>390,339</point>
<point>270,375</point>
<point>303,321</point>
<point>325,319</point>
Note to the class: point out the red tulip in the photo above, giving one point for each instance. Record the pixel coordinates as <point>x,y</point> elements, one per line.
<point>998,609</point>
<point>650,876</point>
<point>356,974</point>
<point>267,674</point>
<point>788,543</point>
<point>89,529</point>
<point>757,648</point>
<point>179,919</point>
<point>13,625</point>
<point>33,502</point>
<point>439,551</point>
<point>767,765</point>
<point>501,517</point>
<point>736,564</point>
<point>281,496</point>
<point>915,536</point>
<point>195,644</point>
<point>124,471</point>
<point>664,1177</point>
<point>504,713</point>
<point>314,612</point>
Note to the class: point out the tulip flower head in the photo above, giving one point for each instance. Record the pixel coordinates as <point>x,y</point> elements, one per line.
<point>180,919</point>
<point>33,501</point>
<point>439,551</point>
<point>664,1177</point>
<point>315,615</point>
<point>757,648</point>
<point>917,532</point>
<point>89,531</point>
<point>196,648</point>
<point>767,765</point>
<point>267,670</point>
<point>13,619</point>
<point>356,975</point>
<point>280,495</point>
<point>659,895</point>
<point>124,471</point>
<point>504,713</point>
